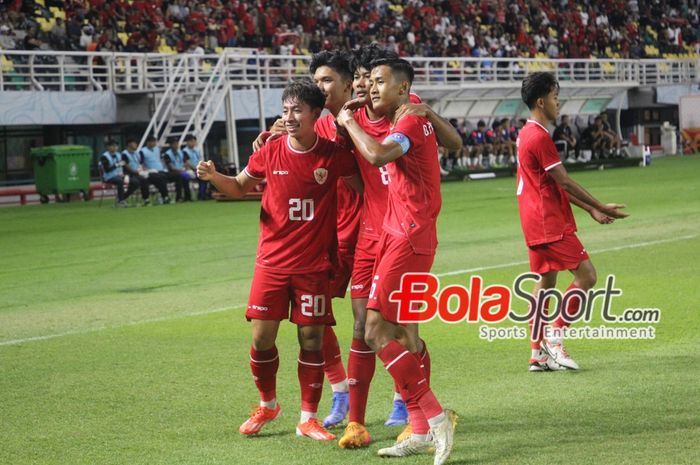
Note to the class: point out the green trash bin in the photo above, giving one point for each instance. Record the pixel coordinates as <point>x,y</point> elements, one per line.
<point>61,170</point>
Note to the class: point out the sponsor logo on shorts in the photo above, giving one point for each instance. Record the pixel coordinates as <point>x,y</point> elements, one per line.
<point>315,385</point>
<point>357,287</point>
<point>259,308</point>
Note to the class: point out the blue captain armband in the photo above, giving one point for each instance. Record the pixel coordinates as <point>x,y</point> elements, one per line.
<point>400,139</point>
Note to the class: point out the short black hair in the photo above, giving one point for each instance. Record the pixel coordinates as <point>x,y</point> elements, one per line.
<point>172,140</point>
<point>131,139</point>
<point>337,61</point>
<point>304,90</point>
<point>365,55</point>
<point>150,139</point>
<point>495,124</point>
<point>190,137</point>
<point>537,85</point>
<point>481,123</point>
<point>397,65</point>
<point>503,121</point>
<point>111,142</point>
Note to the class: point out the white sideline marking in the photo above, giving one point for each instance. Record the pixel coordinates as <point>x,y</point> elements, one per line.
<point>11,342</point>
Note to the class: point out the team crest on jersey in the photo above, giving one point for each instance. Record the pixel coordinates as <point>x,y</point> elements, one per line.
<point>321,175</point>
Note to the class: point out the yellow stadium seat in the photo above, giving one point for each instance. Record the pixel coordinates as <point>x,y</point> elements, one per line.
<point>205,66</point>
<point>41,2</point>
<point>123,37</point>
<point>166,49</point>
<point>6,64</point>
<point>219,50</point>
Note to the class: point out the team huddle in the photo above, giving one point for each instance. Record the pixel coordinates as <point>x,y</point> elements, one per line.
<point>353,198</point>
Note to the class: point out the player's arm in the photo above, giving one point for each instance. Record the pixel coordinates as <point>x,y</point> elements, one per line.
<point>378,154</point>
<point>231,186</point>
<point>574,189</point>
<point>599,216</point>
<point>447,134</point>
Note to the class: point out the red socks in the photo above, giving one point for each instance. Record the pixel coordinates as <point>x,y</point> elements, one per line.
<point>310,372</point>
<point>361,365</point>
<point>405,369</point>
<point>335,372</point>
<point>264,364</point>
<point>572,307</point>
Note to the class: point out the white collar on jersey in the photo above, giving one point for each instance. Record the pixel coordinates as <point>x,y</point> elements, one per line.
<point>533,121</point>
<point>289,144</point>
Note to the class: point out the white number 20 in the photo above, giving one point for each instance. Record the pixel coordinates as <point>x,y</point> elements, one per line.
<point>313,305</point>
<point>301,209</point>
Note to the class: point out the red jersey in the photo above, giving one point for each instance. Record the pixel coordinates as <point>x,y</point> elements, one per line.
<point>414,186</point>
<point>545,212</point>
<point>298,212</point>
<point>376,180</point>
<point>349,201</point>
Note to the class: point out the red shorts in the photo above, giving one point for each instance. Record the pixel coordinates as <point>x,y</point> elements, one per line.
<point>342,273</point>
<point>564,254</point>
<point>395,257</point>
<point>271,294</point>
<point>365,257</point>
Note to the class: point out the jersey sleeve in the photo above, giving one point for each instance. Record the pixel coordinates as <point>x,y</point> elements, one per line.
<point>411,127</point>
<point>547,154</point>
<point>256,163</point>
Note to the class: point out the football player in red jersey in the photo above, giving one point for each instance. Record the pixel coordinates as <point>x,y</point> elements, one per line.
<point>302,170</point>
<point>361,360</point>
<point>407,244</point>
<point>545,191</point>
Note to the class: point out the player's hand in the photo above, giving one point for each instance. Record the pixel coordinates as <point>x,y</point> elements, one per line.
<point>206,170</point>
<point>418,109</point>
<point>613,210</point>
<point>356,103</point>
<point>344,117</point>
<point>600,217</point>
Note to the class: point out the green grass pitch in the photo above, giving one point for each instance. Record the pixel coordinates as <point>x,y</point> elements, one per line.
<point>123,341</point>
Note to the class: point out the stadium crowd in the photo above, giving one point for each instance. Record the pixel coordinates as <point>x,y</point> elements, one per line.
<point>447,28</point>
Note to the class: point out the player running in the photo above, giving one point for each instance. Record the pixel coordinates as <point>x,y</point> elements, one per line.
<point>545,191</point>
<point>295,252</point>
<point>407,244</point>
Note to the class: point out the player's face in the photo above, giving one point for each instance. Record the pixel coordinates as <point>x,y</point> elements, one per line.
<point>299,118</point>
<point>132,146</point>
<point>333,86</point>
<point>150,144</point>
<point>385,89</point>
<point>191,143</point>
<point>360,82</point>
<point>551,105</point>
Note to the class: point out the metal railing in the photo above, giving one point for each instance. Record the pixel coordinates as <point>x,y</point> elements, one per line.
<point>135,72</point>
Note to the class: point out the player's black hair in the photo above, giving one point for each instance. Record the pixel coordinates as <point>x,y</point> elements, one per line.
<point>537,85</point>
<point>503,121</point>
<point>190,137</point>
<point>481,123</point>
<point>304,90</point>
<point>495,124</point>
<point>337,61</point>
<point>150,139</point>
<point>365,55</point>
<point>172,140</point>
<point>111,142</point>
<point>398,66</point>
<point>131,139</point>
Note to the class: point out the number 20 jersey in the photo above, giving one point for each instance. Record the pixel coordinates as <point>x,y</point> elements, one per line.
<point>298,212</point>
